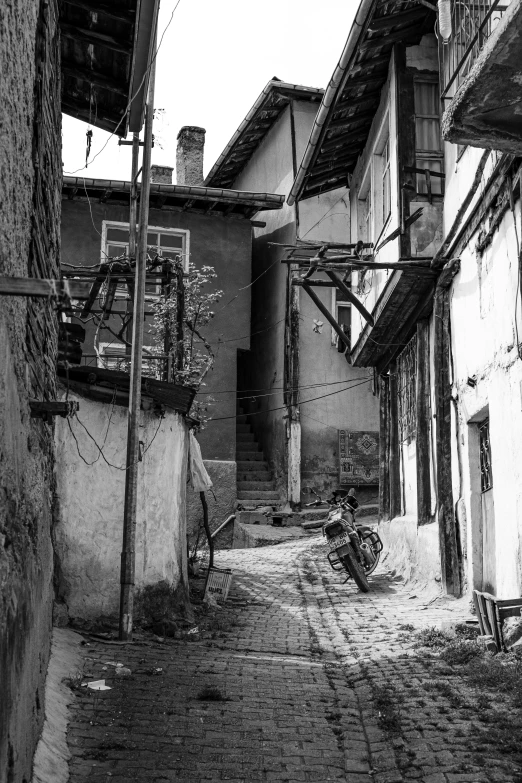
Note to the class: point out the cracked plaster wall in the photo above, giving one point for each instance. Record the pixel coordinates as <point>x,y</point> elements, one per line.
<point>89,532</point>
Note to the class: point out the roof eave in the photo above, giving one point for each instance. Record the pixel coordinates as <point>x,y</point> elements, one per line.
<point>336,82</point>
<point>143,52</point>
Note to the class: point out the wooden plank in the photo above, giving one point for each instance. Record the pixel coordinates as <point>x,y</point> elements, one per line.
<point>95,39</point>
<point>391,20</point>
<point>327,314</point>
<point>384,475</point>
<point>314,283</point>
<point>342,139</point>
<point>394,445</point>
<point>33,286</point>
<point>351,120</point>
<point>99,79</point>
<point>357,100</point>
<point>423,425</point>
<point>450,565</point>
<point>408,33</point>
<point>359,81</point>
<point>351,297</point>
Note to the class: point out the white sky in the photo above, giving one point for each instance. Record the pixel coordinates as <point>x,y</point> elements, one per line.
<point>215,59</point>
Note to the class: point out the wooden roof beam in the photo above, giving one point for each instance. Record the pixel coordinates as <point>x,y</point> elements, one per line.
<point>355,82</point>
<point>93,77</point>
<point>343,138</point>
<point>335,164</point>
<point>391,20</point>
<point>389,38</point>
<point>351,119</point>
<point>358,100</point>
<point>375,62</point>
<point>120,12</point>
<point>94,38</point>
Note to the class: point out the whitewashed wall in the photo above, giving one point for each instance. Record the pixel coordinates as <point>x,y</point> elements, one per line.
<point>483,310</point>
<point>88,536</point>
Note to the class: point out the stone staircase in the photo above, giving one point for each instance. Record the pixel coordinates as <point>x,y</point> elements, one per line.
<point>255,486</point>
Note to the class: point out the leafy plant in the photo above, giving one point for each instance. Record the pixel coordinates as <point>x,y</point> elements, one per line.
<point>178,321</point>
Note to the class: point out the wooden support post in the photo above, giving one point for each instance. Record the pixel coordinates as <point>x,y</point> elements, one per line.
<point>291,393</point>
<point>384,473</point>
<point>180,316</point>
<point>423,427</point>
<point>351,298</point>
<point>327,314</point>
<point>128,554</point>
<point>210,540</point>
<point>450,565</point>
<point>394,446</point>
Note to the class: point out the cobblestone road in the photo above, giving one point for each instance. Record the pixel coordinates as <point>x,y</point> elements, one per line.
<point>299,675</point>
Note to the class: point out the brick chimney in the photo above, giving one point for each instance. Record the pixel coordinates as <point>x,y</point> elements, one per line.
<point>189,155</point>
<point>161,175</point>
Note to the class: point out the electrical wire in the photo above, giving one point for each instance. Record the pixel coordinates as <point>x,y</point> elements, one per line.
<point>248,394</point>
<point>277,261</point>
<point>101,454</point>
<point>284,407</point>
<point>327,214</point>
<point>131,101</point>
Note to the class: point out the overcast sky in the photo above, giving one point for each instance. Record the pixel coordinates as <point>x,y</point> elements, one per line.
<point>216,57</point>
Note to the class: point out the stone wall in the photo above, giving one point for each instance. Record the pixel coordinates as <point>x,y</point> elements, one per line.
<point>30,178</point>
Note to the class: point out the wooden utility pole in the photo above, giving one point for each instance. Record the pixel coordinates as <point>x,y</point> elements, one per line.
<point>128,555</point>
<point>449,557</point>
<point>133,215</point>
<point>394,445</point>
<point>423,428</point>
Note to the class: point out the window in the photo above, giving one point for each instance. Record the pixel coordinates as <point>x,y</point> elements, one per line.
<point>406,391</point>
<point>168,243</point>
<point>114,356</point>
<point>386,182</point>
<point>428,146</point>
<point>368,215</point>
<point>486,476</point>
<point>341,309</point>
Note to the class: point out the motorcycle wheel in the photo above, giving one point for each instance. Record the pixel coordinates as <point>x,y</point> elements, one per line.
<point>370,569</point>
<point>355,570</point>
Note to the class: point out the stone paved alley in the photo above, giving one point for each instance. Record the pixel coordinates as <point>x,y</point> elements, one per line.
<point>290,689</point>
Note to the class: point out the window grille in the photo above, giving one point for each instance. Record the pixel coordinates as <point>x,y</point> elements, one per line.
<point>486,476</point>
<point>406,390</point>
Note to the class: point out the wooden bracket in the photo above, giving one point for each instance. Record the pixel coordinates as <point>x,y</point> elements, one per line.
<point>37,286</point>
<point>45,409</point>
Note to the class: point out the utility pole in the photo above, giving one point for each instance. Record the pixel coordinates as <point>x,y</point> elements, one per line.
<point>128,555</point>
<point>133,215</point>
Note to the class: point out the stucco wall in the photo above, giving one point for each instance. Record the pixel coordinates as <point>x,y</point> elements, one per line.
<point>91,498</point>
<point>484,312</point>
<point>29,246</point>
<point>322,369</point>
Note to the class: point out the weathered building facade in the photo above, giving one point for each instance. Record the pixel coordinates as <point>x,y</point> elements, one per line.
<point>35,58</point>
<point>205,227</point>
<point>299,390</point>
<point>442,282</point>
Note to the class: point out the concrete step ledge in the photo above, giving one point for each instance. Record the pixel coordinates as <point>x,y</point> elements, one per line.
<point>250,456</point>
<point>258,495</point>
<point>257,465</point>
<point>256,486</point>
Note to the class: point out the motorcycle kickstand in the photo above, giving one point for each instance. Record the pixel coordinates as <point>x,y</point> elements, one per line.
<point>347,578</point>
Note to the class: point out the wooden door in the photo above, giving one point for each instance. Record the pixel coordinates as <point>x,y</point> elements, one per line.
<point>488,512</point>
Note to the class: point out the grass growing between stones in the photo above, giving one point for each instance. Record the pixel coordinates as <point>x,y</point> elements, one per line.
<point>387,702</point>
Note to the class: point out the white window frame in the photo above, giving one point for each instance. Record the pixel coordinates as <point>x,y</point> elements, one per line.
<point>184,233</point>
<point>334,309</point>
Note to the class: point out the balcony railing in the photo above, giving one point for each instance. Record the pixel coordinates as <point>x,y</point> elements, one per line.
<point>471,25</point>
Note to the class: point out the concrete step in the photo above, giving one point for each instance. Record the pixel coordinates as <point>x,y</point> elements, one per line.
<point>369,510</point>
<point>259,496</point>
<point>245,437</point>
<point>250,456</point>
<point>243,428</point>
<point>249,465</point>
<point>253,475</point>
<point>254,486</point>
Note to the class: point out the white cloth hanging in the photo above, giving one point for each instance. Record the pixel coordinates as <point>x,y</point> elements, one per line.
<point>198,477</point>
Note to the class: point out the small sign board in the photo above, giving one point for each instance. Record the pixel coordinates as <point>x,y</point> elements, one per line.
<point>358,457</point>
<point>218,583</point>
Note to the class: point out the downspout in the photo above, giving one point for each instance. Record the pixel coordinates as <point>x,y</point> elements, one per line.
<point>291,378</point>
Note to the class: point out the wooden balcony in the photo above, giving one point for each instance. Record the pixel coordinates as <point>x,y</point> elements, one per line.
<point>483,76</point>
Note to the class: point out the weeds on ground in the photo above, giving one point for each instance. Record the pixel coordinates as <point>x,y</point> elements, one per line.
<point>461,651</point>
<point>388,701</point>
<point>433,638</point>
<point>211,693</point>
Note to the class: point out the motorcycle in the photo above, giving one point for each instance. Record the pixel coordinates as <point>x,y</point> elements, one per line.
<point>354,548</point>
